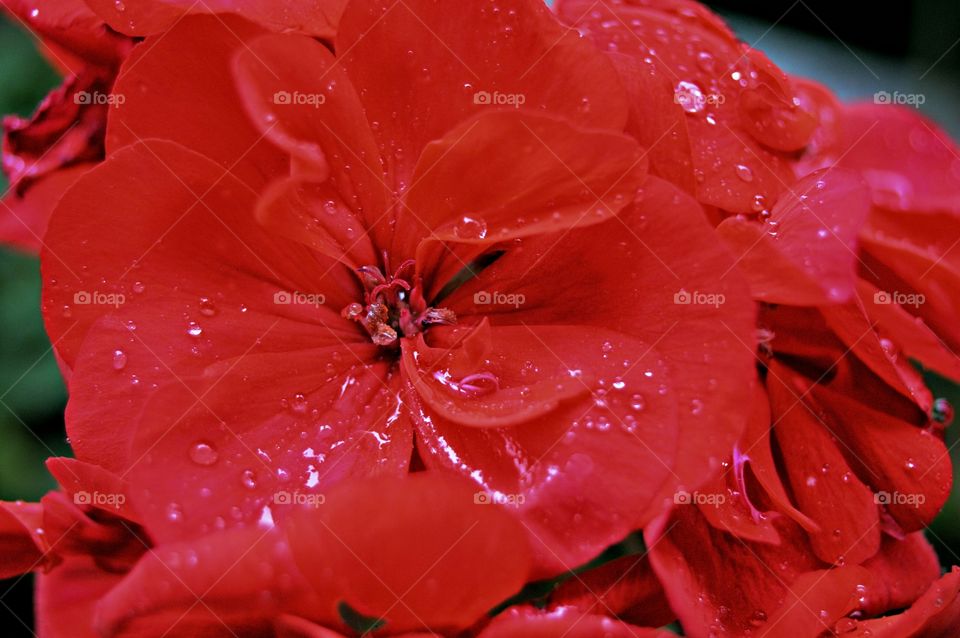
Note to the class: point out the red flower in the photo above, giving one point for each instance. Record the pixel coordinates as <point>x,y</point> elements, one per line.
<point>45,154</point>
<point>477,278</point>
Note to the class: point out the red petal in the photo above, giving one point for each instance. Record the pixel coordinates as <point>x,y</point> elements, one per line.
<point>914,337</point>
<point>194,289</point>
<point>418,552</point>
<point>902,571</point>
<point>146,17</point>
<point>520,376</point>
<point>193,104</point>
<point>583,475</point>
<point>316,216</point>
<point>301,98</point>
<point>22,548</point>
<point>815,601</point>
<point>935,615</point>
<point>66,129</point>
<point>527,622</point>
<point>851,324</point>
<point>224,583</point>
<point>805,253</point>
<point>66,598</point>
<point>914,254</point>
<point>735,100</point>
<point>421,68</point>
<point>722,585</point>
<point>822,482</point>
<point>71,25</point>
<point>300,428</point>
<point>626,588</point>
<point>907,465</point>
<point>550,177</point>
<point>908,161</point>
<point>23,220</point>
<point>76,476</point>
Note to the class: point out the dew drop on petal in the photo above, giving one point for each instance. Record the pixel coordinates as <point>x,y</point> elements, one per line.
<point>194,329</point>
<point>249,479</point>
<point>203,453</point>
<point>637,403</point>
<point>470,228</point>
<point>299,404</point>
<point>119,360</point>
<point>942,411</point>
<point>207,308</point>
<point>744,172</point>
<point>174,512</point>
<point>689,96</point>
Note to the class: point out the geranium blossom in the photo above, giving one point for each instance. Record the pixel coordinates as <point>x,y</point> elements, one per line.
<point>309,343</point>
<point>420,320</point>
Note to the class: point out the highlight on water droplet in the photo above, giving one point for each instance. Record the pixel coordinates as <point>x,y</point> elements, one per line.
<point>119,360</point>
<point>470,228</point>
<point>203,453</point>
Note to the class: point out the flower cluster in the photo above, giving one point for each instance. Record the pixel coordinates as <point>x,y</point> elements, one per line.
<point>413,318</point>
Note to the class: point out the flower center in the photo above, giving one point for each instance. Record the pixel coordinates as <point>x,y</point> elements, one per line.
<point>393,307</point>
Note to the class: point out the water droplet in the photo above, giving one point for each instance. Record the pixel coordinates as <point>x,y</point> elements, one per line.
<point>207,308</point>
<point>119,6</point>
<point>845,626</point>
<point>174,512</point>
<point>744,172</point>
<point>706,62</point>
<point>942,411</point>
<point>299,404</point>
<point>194,329</point>
<point>138,287</point>
<point>203,453</point>
<point>119,360</point>
<point>249,479</point>
<point>689,96</point>
<point>470,228</point>
<point>758,618</point>
<point>696,407</point>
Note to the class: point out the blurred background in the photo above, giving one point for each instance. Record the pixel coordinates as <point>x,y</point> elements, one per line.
<point>855,47</point>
